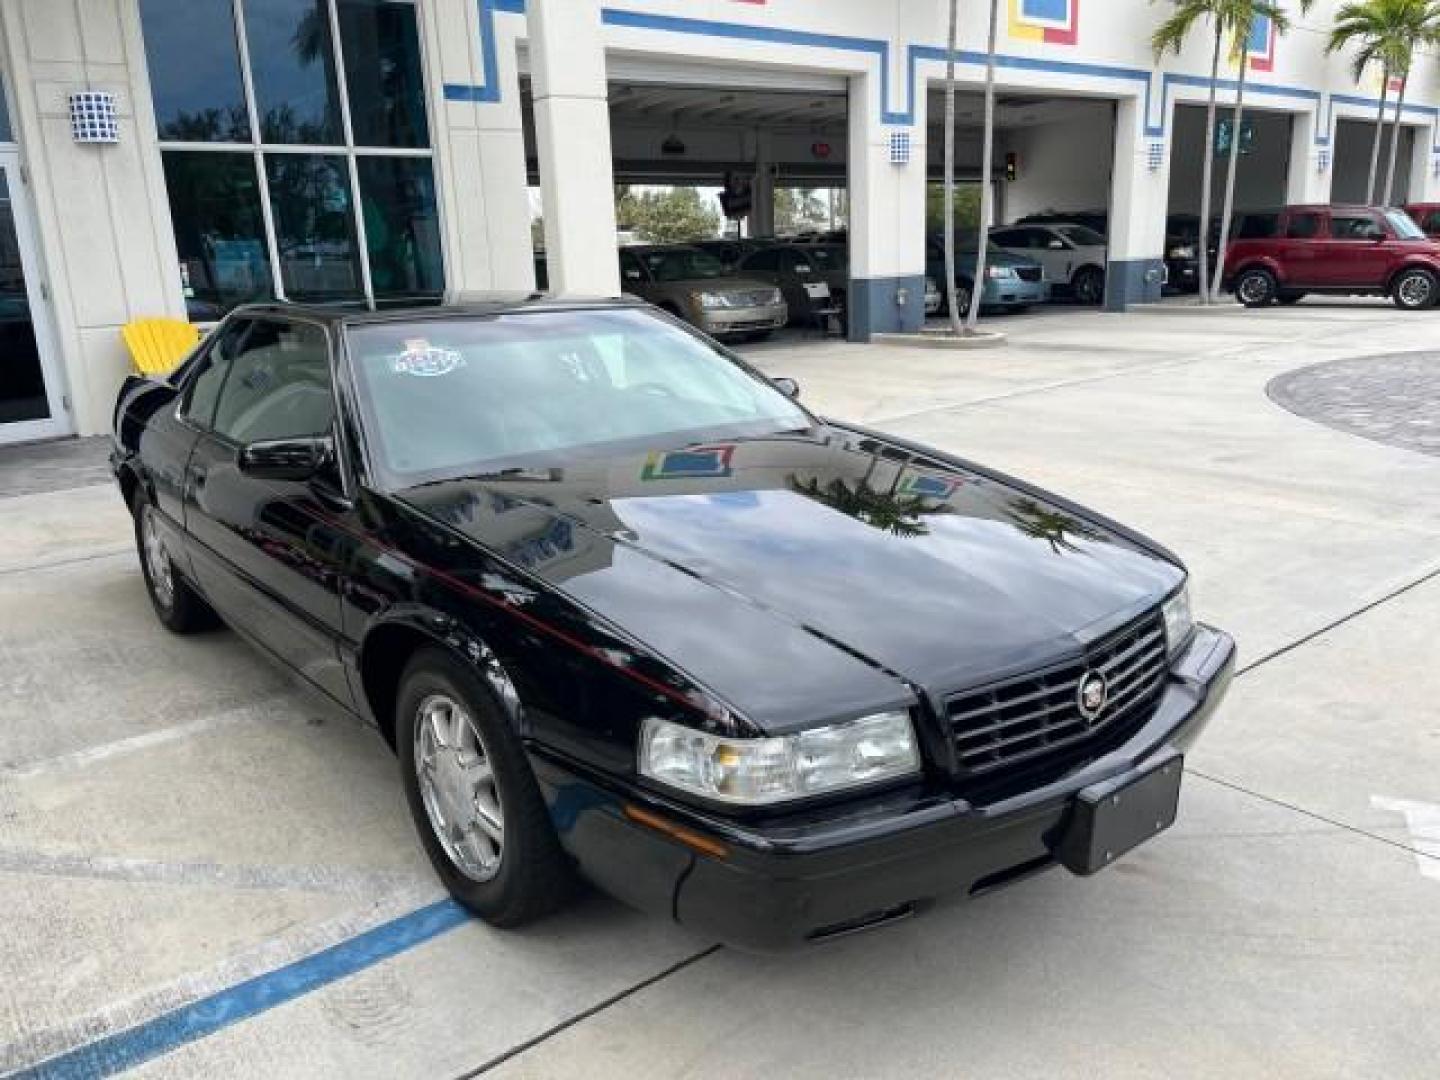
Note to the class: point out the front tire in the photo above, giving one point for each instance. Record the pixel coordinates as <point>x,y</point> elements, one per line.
<point>177,605</point>
<point>479,812</point>
<point>1255,287</point>
<point>1089,286</point>
<point>1415,290</point>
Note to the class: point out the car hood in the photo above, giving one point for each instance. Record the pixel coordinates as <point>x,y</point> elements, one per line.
<point>934,573</point>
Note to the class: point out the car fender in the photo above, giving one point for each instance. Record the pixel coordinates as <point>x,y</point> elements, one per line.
<point>1412,262</point>
<point>418,623</point>
<point>1252,262</point>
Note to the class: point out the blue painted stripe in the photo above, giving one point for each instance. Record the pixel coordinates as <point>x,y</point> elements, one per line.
<point>489,92</point>
<point>126,1049</point>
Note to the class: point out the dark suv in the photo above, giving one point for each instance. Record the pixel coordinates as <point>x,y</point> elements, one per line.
<point>1280,255</point>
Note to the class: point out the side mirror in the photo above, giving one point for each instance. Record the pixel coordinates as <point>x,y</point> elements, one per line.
<point>789,387</point>
<point>286,459</point>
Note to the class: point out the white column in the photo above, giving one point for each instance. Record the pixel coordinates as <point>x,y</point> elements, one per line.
<point>762,190</point>
<point>1307,181</point>
<point>102,214</point>
<point>1424,183</point>
<point>1139,199</point>
<point>479,148</point>
<point>887,218</point>
<point>572,140</point>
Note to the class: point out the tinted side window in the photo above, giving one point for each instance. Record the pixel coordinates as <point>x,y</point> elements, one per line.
<point>1008,238</point>
<point>766,260</point>
<point>1431,222</point>
<point>204,389</point>
<point>1303,226</point>
<point>279,385</point>
<point>630,268</point>
<point>1257,227</point>
<point>1352,226</point>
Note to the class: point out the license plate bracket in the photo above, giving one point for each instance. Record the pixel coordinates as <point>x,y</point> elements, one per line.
<point>1117,815</point>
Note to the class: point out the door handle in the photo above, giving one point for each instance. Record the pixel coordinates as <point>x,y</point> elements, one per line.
<point>197,479</point>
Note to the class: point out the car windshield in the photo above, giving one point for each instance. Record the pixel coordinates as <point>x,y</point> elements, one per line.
<point>455,396</point>
<point>683,264</point>
<point>1404,225</point>
<point>1079,234</point>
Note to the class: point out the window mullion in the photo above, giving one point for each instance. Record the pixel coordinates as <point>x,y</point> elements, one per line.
<point>356,203</point>
<point>262,179</point>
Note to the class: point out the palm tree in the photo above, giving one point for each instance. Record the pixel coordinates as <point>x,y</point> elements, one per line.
<point>899,515</point>
<point>1385,32</point>
<point>950,302</point>
<point>1229,19</point>
<point>987,165</point>
<point>1245,13</point>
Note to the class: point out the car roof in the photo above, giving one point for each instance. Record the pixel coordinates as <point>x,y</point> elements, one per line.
<point>457,305</point>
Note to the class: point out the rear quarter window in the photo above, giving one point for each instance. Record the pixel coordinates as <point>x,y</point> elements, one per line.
<point>1257,227</point>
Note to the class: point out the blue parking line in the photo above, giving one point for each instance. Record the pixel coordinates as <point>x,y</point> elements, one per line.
<point>126,1049</point>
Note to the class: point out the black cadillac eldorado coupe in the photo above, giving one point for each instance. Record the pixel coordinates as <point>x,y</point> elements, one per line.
<point>625,609</point>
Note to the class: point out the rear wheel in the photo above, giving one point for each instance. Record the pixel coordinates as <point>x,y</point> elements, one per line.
<point>1415,290</point>
<point>963,294</point>
<point>479,812</point>
<point>177,605</point>
<point>1089,285</point>
<point>1255,287</point>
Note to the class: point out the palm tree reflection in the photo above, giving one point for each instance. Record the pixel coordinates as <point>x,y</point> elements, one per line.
<point>1055,527</point>
<point>899,515</point>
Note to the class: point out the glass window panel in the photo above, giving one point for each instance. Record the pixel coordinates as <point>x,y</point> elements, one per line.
<point>314,226</point>
<point>292,62</point>
<point>381,47</point>
<point>219,230</point>
<point>402,227</point>
<point>195,70</point>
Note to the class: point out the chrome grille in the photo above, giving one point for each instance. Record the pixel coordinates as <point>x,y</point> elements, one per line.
<point>1038,714</point>
<point>1030,273</point>
<point>743,298</point>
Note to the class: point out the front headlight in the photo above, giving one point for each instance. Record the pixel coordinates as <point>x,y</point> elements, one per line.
<point>757,772</point>
<point>1185,251</point>
<point>1178,620</point>
<point>711,299</point>
<point>999,272</point>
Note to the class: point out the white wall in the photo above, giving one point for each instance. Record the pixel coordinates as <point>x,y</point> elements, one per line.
<point>1260,176</point>
<point>1062,166</point>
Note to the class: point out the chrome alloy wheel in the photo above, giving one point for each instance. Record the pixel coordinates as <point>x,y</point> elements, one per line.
<point>1254,289</point>
<point>157,559</point>
<point>457,786</point>
<point>1415,290</point>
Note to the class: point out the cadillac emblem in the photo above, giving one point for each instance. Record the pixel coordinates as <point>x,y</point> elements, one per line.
<point>1092,695</point>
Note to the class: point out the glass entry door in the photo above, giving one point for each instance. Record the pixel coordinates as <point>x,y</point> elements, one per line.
<point>31,406</point>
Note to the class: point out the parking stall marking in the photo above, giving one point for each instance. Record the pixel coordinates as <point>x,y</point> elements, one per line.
<point>1423,820</point>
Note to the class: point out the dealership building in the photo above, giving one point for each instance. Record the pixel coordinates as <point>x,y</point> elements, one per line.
<point>179,157</point>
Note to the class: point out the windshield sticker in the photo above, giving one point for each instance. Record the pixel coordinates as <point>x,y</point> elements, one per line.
<point>424,360</point>
<point>690,463</point>
<point>929,487</point>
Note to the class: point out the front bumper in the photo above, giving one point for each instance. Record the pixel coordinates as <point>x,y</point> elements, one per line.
<point>1014,292</point>
<point>769,887</point>
<point>721,321</point>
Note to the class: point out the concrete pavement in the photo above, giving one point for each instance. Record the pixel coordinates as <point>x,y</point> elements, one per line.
<point>177,819</point>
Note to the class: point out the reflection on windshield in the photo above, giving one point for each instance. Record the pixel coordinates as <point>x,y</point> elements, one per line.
<point>538,389</point>
<point>1404,225</point>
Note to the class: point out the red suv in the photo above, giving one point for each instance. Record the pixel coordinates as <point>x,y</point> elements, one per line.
<point>1280,255</point>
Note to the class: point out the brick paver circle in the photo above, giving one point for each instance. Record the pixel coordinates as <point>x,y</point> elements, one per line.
<point>1391,399</point>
